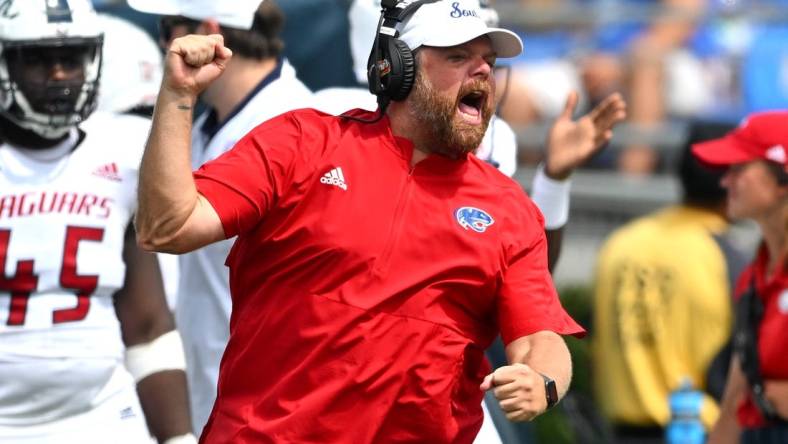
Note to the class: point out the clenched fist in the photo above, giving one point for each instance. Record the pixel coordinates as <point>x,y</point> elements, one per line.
<point>193,62</point>
<point>520,391</point>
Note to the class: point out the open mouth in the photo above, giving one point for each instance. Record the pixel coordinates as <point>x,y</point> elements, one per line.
<point>470,106</point>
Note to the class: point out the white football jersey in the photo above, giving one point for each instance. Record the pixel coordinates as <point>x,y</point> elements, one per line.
<point>62,226</point>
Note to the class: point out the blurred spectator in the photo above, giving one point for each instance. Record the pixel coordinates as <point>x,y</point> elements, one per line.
<point>316,36</point>
<point>130,69</point>
<point>640,47</point>
<point>663,78</point>
<point>257,84</point>
<point>543,62</point>
<point>662,307</point>
<point>742,47</point>
<point>755,404</point>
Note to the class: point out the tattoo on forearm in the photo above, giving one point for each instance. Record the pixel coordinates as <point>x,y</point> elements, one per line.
<point>184,107</point>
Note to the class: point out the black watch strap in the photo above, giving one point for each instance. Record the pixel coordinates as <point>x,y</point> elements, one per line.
<point>550,391</point>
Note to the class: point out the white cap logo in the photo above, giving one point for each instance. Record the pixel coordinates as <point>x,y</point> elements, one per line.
<point>776,154</point>
<point>782,302</point>
<point>457,12</point>
<point>450,23</point>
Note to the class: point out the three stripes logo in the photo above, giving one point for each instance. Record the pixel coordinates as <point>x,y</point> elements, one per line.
<point>334,177</point>
<point>108,171</point>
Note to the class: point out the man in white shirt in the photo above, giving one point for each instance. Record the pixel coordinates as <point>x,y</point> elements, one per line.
<point>256,85</point>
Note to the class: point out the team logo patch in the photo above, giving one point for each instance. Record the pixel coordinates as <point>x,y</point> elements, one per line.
<point>474,219</point>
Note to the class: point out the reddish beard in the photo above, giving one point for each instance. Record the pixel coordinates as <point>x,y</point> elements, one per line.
<point>453,137</point>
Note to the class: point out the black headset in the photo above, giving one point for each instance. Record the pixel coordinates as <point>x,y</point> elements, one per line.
<point>391,68</point>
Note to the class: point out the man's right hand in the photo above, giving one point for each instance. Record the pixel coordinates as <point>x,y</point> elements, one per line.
<point>171,215</point>
<point>193,62</point>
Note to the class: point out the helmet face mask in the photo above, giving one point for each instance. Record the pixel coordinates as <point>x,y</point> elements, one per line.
<point>50,78</point>
<point>50,61</point>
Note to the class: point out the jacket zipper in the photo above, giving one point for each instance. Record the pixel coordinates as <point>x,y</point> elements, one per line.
<point>396,225</point>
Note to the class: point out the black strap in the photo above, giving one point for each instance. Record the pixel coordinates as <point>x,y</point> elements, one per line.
<point>749,312</point>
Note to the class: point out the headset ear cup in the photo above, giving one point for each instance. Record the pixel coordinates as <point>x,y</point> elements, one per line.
<point>405,72</point>
<point>373,76</point>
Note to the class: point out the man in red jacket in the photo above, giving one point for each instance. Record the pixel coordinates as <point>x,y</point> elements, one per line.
<point>376,260</point>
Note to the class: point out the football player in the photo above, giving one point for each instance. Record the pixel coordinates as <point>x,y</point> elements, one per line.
<point>76,293</point>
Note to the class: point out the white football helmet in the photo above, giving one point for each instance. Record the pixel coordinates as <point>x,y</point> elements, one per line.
<point>30,28</point>
<point>131,66</point>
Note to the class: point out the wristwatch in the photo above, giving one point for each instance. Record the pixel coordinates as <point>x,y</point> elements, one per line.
<point>550,391</point>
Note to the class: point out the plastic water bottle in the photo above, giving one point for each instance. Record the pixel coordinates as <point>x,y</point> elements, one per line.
<point>685,426</point>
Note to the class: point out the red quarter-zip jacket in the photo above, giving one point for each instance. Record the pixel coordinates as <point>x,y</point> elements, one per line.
<point>365,290</point>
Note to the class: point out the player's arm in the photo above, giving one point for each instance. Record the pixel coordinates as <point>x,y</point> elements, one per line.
<point>520,386</point>
<point>172,216</point>
<point>154,353</point>
<point>569,145</point>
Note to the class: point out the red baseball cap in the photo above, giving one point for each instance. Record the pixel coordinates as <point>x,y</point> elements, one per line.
<point>760,136</point>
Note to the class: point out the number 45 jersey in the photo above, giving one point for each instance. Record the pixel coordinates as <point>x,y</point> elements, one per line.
<point>62,225</point>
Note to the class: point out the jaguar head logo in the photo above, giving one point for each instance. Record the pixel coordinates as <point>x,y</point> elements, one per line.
<point>472,218</point>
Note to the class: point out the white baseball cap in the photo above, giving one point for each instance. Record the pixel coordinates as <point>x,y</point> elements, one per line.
<point>237,14</point>
<point>454,22</point>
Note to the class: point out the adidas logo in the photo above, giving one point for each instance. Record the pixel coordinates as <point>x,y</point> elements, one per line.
<point>334,177</point>
<point>108,171</point>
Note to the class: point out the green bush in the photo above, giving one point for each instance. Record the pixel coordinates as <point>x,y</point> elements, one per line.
<point>556,426</point>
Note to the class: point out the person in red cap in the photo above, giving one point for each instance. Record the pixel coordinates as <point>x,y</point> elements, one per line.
<point>755,403</point>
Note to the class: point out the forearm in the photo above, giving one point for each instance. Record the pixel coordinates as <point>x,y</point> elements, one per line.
<point>158,368</point>
<point>555,239</point>
<point>167,192</point>
<point>165,402</point>
<point>547,353</point>
<point>550,193</point>
<point>154,351</point>
<point>727,430</point>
